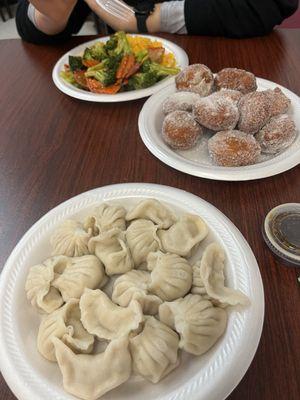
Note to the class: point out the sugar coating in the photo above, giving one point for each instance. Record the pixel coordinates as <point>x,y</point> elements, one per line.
<point>183,101</point>
<point>216,113</point>
<point>235,79</point>
<point>279,102</point>
<point>180,130</point>
<point>233,148</point>
<point>196,78</point>
<point>254,110</point>
<point>277,135</point>
<point>233,95</point>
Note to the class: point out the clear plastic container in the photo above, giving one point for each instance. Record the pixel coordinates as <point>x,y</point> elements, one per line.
<point>281,231</point>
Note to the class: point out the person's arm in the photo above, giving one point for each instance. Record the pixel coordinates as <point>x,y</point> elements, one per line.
<point>48,27</point>
<point>236,18</point>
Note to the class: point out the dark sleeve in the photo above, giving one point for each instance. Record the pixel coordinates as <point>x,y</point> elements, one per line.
<point>30,33</point>
<point>236,18</point>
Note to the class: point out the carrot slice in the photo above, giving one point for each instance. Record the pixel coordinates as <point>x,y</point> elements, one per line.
<point>90,63</point>
<point>127,62</point>
<point>80,78</point>
<point>97,87</point>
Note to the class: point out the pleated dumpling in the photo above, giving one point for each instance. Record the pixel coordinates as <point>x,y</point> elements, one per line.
<point>77,273</point>
<point>134,285</point>
<point>70,239</point>
<point>154,350</point>
<point>91,376</point>
<point>197,321</point>
<point>64,324</point>
<point>38,287</point>
<point>111,248</point>
<point>171,275</point>
<point>103,318</point>
<point>142,239</point>
<point>106,217</point>
<point>182,237</point>
<point>154,211</point>
<point>212,274</point>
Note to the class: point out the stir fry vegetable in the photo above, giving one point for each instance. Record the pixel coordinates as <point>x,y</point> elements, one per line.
<point>123,63</point>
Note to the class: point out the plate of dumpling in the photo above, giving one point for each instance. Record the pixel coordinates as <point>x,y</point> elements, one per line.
<point>229,125</point>
<point>130,291</point>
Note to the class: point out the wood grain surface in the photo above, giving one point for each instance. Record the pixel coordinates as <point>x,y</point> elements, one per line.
<point>53,147</point>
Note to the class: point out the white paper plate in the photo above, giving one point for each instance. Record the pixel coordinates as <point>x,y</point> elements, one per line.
<point>181,59</point>
<point>197,161</point>
<point>209,377</point>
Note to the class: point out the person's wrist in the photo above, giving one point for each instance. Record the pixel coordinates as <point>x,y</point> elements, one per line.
<point>153,21</point>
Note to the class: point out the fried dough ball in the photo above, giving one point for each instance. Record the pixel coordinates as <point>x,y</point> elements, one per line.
<point>279,102</point>
<point>183,101</point>
<point>233,148</point>
<point>235,79</point>
<point>278,134</point>
<point>216,113</point>
<point>180,130</point>
<point>196,78</point>
<point>254,112</point>
<point>233,95</point>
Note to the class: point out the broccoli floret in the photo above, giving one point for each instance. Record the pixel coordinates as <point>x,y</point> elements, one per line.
<point>159,70</point>
<point>75,63</point>
<point>141,81</point>
<point>141,56</point>
<point>96,52</point>
<point>104,72</point>
<point>111,44</point>
<point>107,78</point>
<point>123,46</point>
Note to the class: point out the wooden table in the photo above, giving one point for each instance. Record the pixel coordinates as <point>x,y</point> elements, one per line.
<point>53,147</point>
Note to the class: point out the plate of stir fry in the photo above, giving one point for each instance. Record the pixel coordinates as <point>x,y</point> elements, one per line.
<point>120,67</point>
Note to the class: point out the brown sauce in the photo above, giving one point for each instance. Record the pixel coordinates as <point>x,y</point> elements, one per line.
<point>285,228</point>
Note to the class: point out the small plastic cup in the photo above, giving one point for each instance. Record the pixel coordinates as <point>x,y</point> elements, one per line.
<point>281,232</point>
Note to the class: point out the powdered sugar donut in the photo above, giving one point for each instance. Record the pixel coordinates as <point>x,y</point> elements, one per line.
<point>235,79</point>
<point>279,102</point>
<point>180,130</point>
<point>196,78</point>
<point>183,101</point>
<point>278,134</point>
<point>254,112</point>
<point>233,148</point>
<point>216,113</point>
<point>229,94</point>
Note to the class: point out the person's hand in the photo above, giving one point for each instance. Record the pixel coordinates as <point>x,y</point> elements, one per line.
<point>124,19</point>
<point>51,17</point>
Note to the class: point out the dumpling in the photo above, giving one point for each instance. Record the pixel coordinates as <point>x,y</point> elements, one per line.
<point>198,323</point>
<point>101,317</point>
<point>110,247</point>
<point>91,376</point>
<point>212,274</point>
<point>171,275</point>
<point>154,211</point>
<point>142,239</point>
<point>38,287</point>
<point>154,350</point>
<point>70,239</point>
<point>184,235</point>
<point>134,286</point>
<point>77,273</point>
<point>105,218</point>
<point>64,324</point>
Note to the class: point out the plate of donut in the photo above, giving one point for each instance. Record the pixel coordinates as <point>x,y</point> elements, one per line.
<point>228,126</point>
